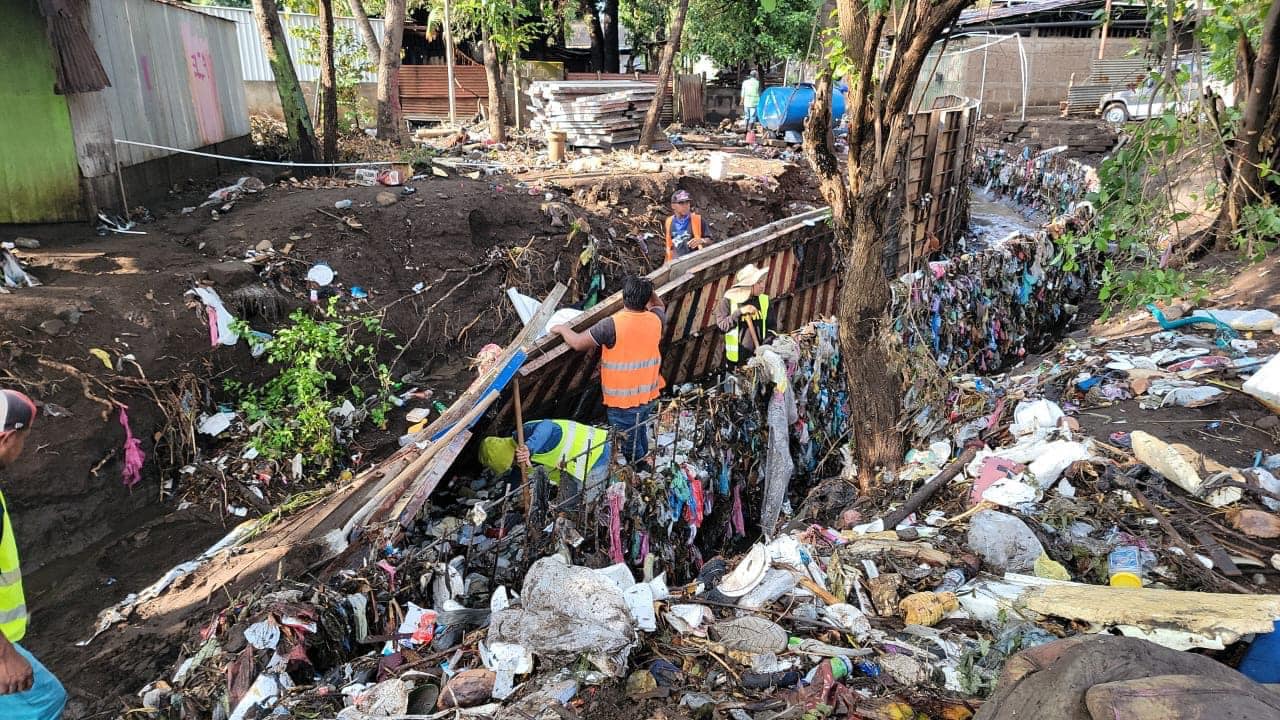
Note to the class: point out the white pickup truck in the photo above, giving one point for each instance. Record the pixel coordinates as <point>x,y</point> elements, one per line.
<point>1151,99</point>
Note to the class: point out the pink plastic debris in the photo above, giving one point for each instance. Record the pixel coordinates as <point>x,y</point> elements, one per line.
<point>616,497</point>
<point>134,458</point>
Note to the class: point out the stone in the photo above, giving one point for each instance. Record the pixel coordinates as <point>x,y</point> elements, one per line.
<point>385,199</point>
<point>1268,422</point>
<point>70,316</point>
<point>26,243</point>
<point>241,235</point>
<point>264,246</point>
<point>232,273</point>
<point>52,327</point>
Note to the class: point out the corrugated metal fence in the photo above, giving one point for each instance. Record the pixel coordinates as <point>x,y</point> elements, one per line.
<point>175,76</point>
<point>253,59</point>
<point>424,90</point>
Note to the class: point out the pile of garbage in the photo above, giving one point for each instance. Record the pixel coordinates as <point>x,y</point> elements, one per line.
<point>984,309</point>
<point>1042,182</point>
<point>700,584</point>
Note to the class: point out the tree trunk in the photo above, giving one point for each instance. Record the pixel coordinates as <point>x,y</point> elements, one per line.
<point>875,381</point>
<point>1248,150</point>
<point>297,119</point>
<point>448,62</point>
<point>592,12</point>
<point>664,75</point>
<point>390,118</point>
<point>609,26</point>
<point>328,84</point>
<point>865,194</point>
<point>493,79</point>
<point>366,31</point>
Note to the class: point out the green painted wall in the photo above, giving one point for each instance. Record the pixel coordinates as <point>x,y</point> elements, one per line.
<point>39,176</point>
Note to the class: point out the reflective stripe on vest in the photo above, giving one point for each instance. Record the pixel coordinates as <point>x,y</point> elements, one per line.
<point>695,226</point>
<point>571,453</point>
<point>732,340</point>
<point>13,604</point>
<point>629,371</point>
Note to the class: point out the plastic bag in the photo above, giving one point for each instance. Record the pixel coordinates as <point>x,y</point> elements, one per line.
<point>1003,541</point>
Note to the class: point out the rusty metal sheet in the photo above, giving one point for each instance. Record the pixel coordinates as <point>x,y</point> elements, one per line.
<point>424,90</point>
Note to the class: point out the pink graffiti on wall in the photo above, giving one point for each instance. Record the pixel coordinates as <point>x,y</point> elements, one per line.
<point>204,85</point>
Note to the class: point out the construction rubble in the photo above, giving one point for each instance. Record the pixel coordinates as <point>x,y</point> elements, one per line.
<point>743,577</point>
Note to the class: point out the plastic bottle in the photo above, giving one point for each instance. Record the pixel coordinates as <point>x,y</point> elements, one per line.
<point>1125,567</point>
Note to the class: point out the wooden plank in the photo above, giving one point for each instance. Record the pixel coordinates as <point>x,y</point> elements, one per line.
<point>526,337</point>
<point>431,478</point>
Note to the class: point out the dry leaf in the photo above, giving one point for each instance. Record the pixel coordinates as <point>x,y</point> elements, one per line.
<point>1256,523</point>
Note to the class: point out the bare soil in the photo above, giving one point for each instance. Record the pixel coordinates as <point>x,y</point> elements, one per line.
<point>87,541</point>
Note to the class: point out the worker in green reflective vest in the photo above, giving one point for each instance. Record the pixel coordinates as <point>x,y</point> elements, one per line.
<point>743,315</point>
<point>28,691</point>
<point>574,456</point>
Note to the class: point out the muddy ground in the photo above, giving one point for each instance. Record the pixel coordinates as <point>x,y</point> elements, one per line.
<point>87,540</point>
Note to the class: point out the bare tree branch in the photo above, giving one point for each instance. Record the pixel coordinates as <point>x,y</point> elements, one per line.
<point>817,147</point>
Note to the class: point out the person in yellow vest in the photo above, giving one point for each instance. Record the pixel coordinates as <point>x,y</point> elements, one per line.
<point>630,362</point>
<point>685,232</point>
<point>575,456</point>
<point>745,305</point>
<point>28,691</point>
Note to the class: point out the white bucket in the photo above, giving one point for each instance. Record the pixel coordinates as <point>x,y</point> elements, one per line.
<point>718,168</point>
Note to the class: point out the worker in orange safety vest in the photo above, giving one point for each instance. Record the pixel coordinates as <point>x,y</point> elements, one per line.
<point>630,363</point>
<point>685,232</point>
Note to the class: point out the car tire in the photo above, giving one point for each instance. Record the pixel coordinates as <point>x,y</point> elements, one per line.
<point>1115,113</point>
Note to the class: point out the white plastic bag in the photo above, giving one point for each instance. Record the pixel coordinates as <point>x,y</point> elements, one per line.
<point>1244,320</point>
<point>1033,416</point>
<point>1265,384</point>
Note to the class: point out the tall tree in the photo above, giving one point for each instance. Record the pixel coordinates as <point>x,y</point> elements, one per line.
<point>366,30</point>
<point>612,38</point>
<point>591,14</point>
<point>863,195</point>
<point>328,83</point>
<point>493,81</point>
<point>1255,144</point>
<point>735,33</point>
<point>665,66</point>
<point>390,118</point>
<point>505,31</point>
<point>293,104</point>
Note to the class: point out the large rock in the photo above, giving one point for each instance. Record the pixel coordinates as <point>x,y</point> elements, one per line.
<point>1099,677</point>
<point>231,274</point>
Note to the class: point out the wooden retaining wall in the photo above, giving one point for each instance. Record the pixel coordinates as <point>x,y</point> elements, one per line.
<point>803,281</point>
<point>802,284</point>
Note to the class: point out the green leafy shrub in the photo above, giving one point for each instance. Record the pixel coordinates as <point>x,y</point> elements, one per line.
<point>325,359</point>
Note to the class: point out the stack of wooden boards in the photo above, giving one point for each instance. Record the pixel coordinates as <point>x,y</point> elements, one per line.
<point>592,113</point>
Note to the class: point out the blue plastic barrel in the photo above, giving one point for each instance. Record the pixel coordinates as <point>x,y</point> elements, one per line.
<point>785,107</point>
